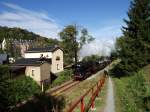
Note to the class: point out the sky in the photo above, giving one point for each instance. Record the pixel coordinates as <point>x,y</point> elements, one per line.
<point>102,18</point>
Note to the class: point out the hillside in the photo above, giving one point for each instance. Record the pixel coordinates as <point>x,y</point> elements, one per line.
<point>18,33</point>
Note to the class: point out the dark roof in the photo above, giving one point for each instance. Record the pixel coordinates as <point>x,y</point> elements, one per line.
<point>31,62</point>
<point>45,49</point>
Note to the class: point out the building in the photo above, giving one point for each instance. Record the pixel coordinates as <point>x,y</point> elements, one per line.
<point>21,45</point>
<point>38,69</point>
<point>3,58</point>
<point>15,45</point>
<point>39,63</point>
<point>3,44</point>
<point>54,53</point>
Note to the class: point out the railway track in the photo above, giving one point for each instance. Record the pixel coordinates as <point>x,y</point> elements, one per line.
<point>63,88</point>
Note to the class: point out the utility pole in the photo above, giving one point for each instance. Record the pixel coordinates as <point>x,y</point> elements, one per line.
<point>75,46</point>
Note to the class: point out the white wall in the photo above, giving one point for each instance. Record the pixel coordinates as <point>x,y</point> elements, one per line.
<point>38,55</point>
<point>37,72</point>
<point>57,65</point>
<point>41,72</point>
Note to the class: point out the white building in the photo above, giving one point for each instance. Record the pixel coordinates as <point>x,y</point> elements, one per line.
<point>39,63</point>
<point>54,53</point>
<point>3,44</point>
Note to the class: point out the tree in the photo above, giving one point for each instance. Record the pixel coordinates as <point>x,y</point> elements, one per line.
<point>85,37</point>
<point>71,44</point>
<point>134,46</point>
<point>92,58</point>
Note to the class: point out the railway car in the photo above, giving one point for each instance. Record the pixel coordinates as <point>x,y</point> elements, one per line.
<point>82,70</point>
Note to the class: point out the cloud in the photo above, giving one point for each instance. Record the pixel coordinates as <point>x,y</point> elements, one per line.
<point>37,22</point>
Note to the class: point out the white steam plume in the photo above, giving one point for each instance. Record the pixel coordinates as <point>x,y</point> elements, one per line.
<point>98,47</point>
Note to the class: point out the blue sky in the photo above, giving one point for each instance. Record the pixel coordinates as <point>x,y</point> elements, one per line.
<point>102,18</point>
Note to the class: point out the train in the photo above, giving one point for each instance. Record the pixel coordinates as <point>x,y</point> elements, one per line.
<point>83,70</point>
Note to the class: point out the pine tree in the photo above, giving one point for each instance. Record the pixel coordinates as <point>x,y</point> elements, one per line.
<point>135,50</point>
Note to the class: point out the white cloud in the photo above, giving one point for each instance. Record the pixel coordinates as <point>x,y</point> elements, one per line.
<point>37,22</point>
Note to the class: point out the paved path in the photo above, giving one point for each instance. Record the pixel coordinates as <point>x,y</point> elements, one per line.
<point>110,105</point>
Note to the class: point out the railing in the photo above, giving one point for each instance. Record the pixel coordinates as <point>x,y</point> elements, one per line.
<point>83,107</point>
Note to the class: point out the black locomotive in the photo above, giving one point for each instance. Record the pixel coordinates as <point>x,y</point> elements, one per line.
<point>82,70</point>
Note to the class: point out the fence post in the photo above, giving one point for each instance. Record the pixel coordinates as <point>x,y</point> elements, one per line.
<point>82,105</point>
<point>97,89</point>
<point>92,106</point>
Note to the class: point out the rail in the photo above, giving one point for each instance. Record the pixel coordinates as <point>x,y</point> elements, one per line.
<point>83,107</point>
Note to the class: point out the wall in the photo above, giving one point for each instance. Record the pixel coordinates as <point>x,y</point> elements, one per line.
<point>57,65</point>
<point>37,72</point>
<point>45,71</point>
<point>41,72</point>
<point>38,55</point>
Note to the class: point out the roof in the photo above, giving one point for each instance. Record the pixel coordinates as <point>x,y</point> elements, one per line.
<point>3,57</point>
<point>31,62</point>
<point>45,49</point>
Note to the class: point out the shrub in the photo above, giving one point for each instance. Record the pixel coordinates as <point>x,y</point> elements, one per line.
<point>21,89</point>
<point>4,72</point>
<point>62,77</point>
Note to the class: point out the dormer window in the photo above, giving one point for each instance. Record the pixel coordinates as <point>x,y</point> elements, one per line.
<point>57,58</point>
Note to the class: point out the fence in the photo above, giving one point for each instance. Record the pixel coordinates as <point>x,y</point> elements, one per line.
<point>94,94</point>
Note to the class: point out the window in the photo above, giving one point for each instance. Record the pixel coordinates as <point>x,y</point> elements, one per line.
<point>57,66</point>
<point>57,58</point>
<point>32,72</point>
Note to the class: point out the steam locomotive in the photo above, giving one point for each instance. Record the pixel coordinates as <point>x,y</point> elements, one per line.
<point>83,70</point>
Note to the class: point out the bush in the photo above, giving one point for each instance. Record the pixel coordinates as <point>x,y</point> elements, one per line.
<point>62,77</point>
<point>21,89</point>
<point>4,72</point>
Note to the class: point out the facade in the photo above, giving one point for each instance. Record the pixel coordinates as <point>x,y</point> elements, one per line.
<point>38,55</point>
<point>39,63</point>
<point>57,61</point>
<point>38,69</point>
<point>54,53</point>
<point>21,45</point>
<point>3,58</point>
<point>40,73</point>
<point>3,44</point>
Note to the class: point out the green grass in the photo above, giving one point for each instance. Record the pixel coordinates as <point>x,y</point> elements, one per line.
<point>132,93</point>
<point>62,77</point>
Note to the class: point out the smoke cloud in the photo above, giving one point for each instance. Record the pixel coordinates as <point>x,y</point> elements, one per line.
<point>97,47</point>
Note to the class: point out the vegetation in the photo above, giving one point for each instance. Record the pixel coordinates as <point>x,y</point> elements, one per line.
<point>22,88</point>
<point>134,47</point>
<point>13,34</point>
<point>62,77</point>
<point>42,103</point>
<point>132,93</point>
<point>13,91</point>
<point>71,44</point>
<point>16,33</point>
<point>92,58</point>
<point>4,72</point>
